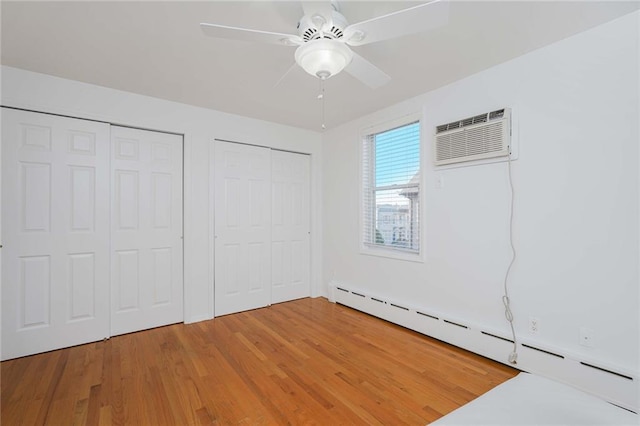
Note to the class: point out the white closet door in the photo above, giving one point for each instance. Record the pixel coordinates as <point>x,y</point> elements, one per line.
<point>146,221</point>
<point>55,225</point>
<point>290,261</point>
<point>242,227</point>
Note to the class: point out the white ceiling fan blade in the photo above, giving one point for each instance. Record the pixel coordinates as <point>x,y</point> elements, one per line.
<point>403,22</point>
<point>366,72</point>
<point>319,8</point>
<point>244,34</point>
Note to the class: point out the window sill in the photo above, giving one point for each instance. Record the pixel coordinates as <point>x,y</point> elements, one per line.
<point>392,254</point>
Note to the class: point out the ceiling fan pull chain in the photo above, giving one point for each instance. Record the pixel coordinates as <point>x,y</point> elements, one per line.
<point>321,98</point>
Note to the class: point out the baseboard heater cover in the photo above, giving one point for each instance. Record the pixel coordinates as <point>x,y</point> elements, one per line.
<point>624,376</point>
<point>490,344</point>
<point>542,350</point>
<point>399,307</point>
<point>456,324</point>
<point>427,315</point>
<point>497,337</point>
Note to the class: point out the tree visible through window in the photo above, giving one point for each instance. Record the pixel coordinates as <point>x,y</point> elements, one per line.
<point>391,188</point>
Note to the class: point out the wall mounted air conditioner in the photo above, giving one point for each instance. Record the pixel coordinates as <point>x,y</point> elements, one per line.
<point>479,137</point>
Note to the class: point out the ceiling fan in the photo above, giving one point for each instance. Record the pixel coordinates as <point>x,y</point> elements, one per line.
<point>324,37</point>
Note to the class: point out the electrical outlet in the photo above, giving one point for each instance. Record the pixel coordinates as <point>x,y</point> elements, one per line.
<point>587,337</point>
<point>534,325</point>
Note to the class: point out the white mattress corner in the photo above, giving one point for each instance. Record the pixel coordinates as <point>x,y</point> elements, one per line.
<point>529,399</point>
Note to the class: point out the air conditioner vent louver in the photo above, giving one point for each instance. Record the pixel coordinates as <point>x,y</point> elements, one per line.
<point>496,114</point>
<point>480,119</point>
<point>479,137</point>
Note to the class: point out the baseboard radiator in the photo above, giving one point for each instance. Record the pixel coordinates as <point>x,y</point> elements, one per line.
<point>605,381</point>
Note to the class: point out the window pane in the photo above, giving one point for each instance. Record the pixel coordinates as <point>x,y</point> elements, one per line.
<point>391,189</point>
<point>396,218</point>
<point>397,155</point>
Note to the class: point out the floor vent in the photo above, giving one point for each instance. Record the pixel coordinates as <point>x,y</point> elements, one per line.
<point>358,294</point>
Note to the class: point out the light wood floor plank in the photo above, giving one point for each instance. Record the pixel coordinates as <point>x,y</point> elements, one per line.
<point>302,362</point>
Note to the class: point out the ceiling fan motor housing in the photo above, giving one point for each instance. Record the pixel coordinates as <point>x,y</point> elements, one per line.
<point>313,27</point>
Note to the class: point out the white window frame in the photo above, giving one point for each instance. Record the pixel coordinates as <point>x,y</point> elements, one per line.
<point>386,251</point>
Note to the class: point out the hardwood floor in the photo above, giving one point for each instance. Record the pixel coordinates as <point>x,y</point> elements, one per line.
<point>302,362</point>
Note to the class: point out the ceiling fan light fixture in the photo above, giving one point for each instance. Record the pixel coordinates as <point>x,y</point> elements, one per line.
<point>323,58</point>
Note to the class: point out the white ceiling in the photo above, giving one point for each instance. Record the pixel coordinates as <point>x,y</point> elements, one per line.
<point>157,49</point>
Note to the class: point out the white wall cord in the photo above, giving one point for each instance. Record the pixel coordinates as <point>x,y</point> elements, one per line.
<point>513,356</point>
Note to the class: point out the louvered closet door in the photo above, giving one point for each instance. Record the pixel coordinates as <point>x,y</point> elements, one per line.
<point>290,260</point>
<point>242,227</point>
<point>146,221</point>
<point>55,226</point>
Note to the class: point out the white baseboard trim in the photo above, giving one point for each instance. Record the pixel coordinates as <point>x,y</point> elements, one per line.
<point>611,383</point>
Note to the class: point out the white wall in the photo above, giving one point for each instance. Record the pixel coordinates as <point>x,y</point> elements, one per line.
<point>23,89</point>
<point>577,188</point>
<point>576,230</point>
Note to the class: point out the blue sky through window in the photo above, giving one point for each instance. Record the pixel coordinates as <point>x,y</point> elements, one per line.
<point>397,155</point>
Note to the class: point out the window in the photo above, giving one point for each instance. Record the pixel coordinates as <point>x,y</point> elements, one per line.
<point>391,189</point>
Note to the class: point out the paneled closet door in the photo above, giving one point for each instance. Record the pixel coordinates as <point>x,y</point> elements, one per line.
<point>146,222</point>
<point>55,226</point>
<point>290,240</point>
<point>242,227</point>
